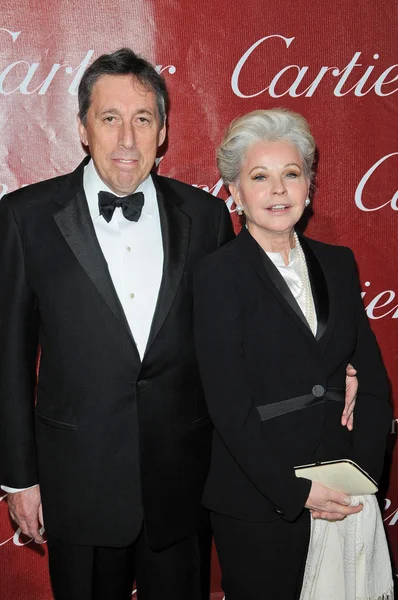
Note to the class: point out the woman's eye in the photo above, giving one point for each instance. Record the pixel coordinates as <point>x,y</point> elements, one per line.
<point>292,175</point>
<point>259,177</point>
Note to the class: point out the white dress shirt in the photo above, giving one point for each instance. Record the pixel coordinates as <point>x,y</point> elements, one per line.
<point>134,253</point>
<point>291,275</point>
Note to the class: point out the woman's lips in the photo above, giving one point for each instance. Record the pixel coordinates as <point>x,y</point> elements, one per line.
<point>278,207</point>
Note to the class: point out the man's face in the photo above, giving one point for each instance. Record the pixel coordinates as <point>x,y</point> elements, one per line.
<point>122,131</point>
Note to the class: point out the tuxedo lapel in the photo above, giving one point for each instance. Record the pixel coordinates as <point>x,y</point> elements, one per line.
<point>270,275</point>
<point>75,224</point>
<point>176,228</point>
<point>281,285</point>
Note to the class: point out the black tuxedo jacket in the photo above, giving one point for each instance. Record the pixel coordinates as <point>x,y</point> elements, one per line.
<point>274,391</point>
<point>111,440</point>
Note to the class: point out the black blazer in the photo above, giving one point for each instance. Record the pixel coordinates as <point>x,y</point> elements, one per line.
<point>113,439</point>
<point>261,366</point>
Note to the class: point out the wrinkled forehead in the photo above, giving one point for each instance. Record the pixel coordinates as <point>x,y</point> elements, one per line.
<point>123,91</point>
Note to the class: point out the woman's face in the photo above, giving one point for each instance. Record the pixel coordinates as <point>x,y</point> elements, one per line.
<point>272,187</point>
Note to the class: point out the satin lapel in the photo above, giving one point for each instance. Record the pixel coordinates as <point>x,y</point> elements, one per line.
<point>75,224</point>
<point>267,271</point>
<point>319,288</point>
<point>281,285</point>
<point>176,228</point>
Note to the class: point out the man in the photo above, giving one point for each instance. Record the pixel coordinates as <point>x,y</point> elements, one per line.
<point>119,438</point>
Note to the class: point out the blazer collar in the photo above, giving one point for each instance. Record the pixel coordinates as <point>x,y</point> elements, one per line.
<point>71,183</point>
<point>270,275</point>
<point>75,224</point>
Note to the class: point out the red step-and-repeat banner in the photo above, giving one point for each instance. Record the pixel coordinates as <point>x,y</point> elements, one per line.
<point>333,61</point>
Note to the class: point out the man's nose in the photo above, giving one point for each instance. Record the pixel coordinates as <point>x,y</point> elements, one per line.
<point>127,136</point>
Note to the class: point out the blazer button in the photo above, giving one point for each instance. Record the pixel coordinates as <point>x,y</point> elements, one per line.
<point>279,511</point>
<point>318,391</point>
<point>141,384</point>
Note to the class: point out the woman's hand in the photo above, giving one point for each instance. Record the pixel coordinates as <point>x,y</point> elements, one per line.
<point>328,504</point>
<point>351,388</point>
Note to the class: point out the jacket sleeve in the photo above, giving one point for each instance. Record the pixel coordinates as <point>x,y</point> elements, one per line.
<point>372,414</point>
<point>18,351</point>
<point>219,334</point>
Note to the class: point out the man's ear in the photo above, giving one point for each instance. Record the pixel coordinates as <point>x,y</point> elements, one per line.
<point>82,132</point>
<point>162,133</point>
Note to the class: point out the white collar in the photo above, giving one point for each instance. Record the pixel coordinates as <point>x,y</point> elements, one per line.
<point>278,261</point>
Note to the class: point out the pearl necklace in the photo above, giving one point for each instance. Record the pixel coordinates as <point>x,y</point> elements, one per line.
<point>309,310</point>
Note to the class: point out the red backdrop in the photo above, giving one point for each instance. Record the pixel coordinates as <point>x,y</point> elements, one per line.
<point>332,61</point>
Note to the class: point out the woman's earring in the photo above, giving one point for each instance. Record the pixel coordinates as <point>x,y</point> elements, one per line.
<point>307,201</point>
<point>239,209</point>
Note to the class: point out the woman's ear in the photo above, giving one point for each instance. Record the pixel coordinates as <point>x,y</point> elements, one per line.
<point>234,191</point>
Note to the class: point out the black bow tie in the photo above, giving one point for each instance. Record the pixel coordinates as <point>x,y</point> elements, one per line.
<point>131,205</point>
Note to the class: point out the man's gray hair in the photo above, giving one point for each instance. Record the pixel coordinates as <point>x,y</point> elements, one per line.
<point>277,124</point>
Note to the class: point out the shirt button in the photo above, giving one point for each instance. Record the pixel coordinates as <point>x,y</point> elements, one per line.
<point>128,248</point>
<point>132,296</point>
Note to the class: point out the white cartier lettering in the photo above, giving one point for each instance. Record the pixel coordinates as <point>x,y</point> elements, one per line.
<point>361,186</point>
<point>298,80</point>
<point>380,301</point>
<point>25,77</point>
<point>392,516</point>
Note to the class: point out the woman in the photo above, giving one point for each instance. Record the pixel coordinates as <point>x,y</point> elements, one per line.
<point>277,318</point>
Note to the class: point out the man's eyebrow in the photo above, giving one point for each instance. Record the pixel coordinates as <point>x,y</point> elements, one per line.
<point>112,109</point>
<point>107,111</point>
<point>145,110</point>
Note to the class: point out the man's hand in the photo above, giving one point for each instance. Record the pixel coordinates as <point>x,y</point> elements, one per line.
<point>351,388</point>
<point>26,510</point>
<point>327,504</point>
